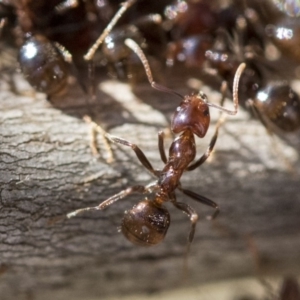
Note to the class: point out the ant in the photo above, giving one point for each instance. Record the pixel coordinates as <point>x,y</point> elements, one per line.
<point>146,224</point>
<point>226,37</point>
<point>273,102</point>
<point>44,63</point>
<point>46,58</point>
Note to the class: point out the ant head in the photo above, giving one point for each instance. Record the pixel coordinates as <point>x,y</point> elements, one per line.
<point>146,224</point>
<point>192,114</point>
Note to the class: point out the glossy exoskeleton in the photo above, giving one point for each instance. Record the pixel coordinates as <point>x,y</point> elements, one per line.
<point>146,224</point>
<point>273,101</point>
<point>63,31</point>
<point>192,25</point>
<point>289,7</point>
<point>146,31</point>
<point>285,33</point>
<point>43,65</point>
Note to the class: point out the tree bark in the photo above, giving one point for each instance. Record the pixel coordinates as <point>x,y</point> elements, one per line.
<point>47,170</point>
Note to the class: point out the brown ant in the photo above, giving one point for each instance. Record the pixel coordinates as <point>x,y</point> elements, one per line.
<point>44,63</point>
<point>146,224</point>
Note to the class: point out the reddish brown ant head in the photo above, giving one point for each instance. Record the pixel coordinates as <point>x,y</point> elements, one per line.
<point>192,114</point>
<point>146,224</point>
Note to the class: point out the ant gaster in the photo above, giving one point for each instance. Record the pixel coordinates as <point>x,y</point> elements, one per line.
<point>146,224</point>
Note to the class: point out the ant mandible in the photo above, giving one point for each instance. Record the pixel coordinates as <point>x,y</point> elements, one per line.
<point>146,224</point>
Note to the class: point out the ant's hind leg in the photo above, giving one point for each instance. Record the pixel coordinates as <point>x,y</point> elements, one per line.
<point>134,189</point>
<point>139,153</point>
<point>210,148</point>
<point>193,218</point>
<point>203,200</point>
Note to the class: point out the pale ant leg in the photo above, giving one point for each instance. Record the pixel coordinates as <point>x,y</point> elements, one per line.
<point>111,200</point>
<point>203,200</point>
<point>124,6</point>
<point>95,128</point>
<point>68,58</point>
<point>161,147</point>
<point>139,153</point>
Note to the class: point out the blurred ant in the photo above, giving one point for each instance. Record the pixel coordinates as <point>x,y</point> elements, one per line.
<point>44,63</point>
<point>146,224</point>
<point>225,37</point>
<point>275,104</point>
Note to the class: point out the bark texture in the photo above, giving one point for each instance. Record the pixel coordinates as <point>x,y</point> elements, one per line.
<point>47,170</point>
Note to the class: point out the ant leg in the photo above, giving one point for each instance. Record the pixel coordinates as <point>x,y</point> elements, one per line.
<point>203,200</point>
<point>191,214</point>
<point>124,6</point>
<point>259,115</point>
<point>67,56</point>
<point>134,189</point>
<point>95,128</point>
<point>139,153</point>
<point>212,143</point>
<point>161,147</point>
<point>209,150</point>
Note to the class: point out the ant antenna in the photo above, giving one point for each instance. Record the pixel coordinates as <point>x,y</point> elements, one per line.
<point>139,52</point>
<point>124,6</point>
<point>235,89</point>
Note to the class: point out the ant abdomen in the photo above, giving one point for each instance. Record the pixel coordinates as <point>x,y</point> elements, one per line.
<point>115,51</point>
<point>281,105</point>
<point>146,224</point>
<point>43,65</point>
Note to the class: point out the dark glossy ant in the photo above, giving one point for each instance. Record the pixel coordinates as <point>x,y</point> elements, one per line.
<point>223,38</point>
<point>275,104</point>
<point>46,57</point>
<point>146,224</point>
<point>46,64</point>
<point>285,33</point>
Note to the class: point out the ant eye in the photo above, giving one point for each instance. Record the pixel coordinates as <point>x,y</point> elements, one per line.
<point>202,95</point>
<point>206,113</point>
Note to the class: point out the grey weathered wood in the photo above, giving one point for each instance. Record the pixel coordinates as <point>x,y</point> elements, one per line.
<point>47,170</point>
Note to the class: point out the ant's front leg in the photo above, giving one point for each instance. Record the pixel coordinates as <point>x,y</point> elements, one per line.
<point>213,141</point>
<point>139,153</point>
<point>134,189</point>
<point>207,153</point>
<point>161,147</point>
